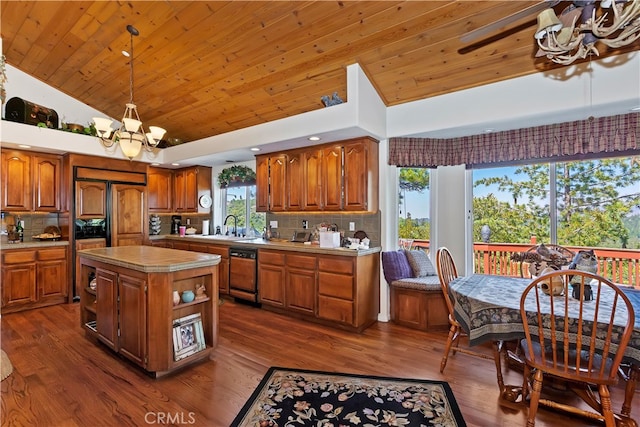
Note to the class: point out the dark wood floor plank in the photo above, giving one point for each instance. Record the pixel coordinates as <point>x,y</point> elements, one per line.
<point>63,379</point>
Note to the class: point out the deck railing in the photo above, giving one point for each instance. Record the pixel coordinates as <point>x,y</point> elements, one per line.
<point>618,265</point>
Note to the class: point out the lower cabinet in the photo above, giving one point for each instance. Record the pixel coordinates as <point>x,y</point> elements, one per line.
<point>121,313</point>
<point>223,267</point>
<point>338,290</point>
<point>33,278</point>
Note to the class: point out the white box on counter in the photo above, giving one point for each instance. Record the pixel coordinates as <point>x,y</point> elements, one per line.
<point>329,239</point>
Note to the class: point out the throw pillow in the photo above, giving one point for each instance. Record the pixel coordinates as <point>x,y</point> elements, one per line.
<point>420,263</point>
<point>395,266</point>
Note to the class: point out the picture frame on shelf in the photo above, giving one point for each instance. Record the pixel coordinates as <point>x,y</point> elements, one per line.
<point>188,336</point>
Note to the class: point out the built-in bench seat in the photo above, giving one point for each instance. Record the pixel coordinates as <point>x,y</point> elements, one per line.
<point>416,302</point>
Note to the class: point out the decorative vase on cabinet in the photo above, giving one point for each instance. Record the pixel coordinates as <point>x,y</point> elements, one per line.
<point>176,298</point>
<point>188,296</point>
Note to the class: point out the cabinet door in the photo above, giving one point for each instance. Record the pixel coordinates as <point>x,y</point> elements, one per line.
<point>18,283</point>
<point>16,181</point>
<point>85,244</point>
<point>47,182</point>
<point>107,307</point>
<point>301,290</point>
<point>312,181</point>
<point>278,183</point>
<point>262,183</point>
<point>223,267</point>
<point>91,198</point>
<point>295,182</point>
<point>186,190</point>
<point>332,173</point>
<point>271,277</point>
<point>160,189</point>
<point>179,188</point>
<point>52,273</point>
<point>128,222</point>
<point>356,168</point>
<point>132,317</point>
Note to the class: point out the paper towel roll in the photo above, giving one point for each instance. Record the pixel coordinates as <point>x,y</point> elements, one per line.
<point>205,227</point>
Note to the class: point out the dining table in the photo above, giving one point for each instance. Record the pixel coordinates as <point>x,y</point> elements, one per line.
<point>488,309</point>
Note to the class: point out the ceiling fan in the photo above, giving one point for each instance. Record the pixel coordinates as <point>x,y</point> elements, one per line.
<point>501,24</point>
<point>574,33</point>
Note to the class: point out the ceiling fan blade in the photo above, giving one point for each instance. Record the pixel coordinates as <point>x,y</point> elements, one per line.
<point>503,22</point>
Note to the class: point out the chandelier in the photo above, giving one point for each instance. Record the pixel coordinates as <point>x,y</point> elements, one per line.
<point>580,26</point>
<point>131,135</point>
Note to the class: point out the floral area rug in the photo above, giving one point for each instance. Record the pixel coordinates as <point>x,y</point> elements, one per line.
<point>289,397</point>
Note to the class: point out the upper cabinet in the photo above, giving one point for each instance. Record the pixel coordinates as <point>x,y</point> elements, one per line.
<point>91,199</point>
<point>333,177</point>
<point>160,188</point>
<point>186,190</point>
<point>30,181</point>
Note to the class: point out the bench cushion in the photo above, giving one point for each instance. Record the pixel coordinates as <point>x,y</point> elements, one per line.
<point>395,266</point>
<point>427,283</point>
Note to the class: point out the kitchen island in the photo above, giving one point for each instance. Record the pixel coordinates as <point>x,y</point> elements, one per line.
<point>127,303</point>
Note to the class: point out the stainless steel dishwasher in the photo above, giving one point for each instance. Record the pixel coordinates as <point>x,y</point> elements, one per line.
<point>243,274</point>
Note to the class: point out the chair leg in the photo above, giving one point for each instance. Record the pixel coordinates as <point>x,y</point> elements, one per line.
<point>453,335</point>
<point>536,389</point>
<point>605,403</point>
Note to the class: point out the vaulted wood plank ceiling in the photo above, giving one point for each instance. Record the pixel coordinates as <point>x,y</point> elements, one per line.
<point>203,68</point>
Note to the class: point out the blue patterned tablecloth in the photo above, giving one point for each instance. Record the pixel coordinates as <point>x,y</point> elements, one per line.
<point>488,307</point>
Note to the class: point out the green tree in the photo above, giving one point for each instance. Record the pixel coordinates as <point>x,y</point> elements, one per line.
<point>415,180</point>
<point>592,208</point>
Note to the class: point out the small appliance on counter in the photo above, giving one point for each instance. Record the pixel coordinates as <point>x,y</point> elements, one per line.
<point>176,222</point>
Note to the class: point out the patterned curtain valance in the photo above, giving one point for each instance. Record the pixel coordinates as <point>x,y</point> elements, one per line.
<point>572,139</point>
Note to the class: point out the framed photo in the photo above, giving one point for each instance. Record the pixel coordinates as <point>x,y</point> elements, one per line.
<point>188,336</point>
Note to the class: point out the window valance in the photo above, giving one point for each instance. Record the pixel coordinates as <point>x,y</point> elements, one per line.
<point>614,134</point>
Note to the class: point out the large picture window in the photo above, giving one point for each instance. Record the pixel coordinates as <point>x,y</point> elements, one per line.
<point>241,202</point>
<point>414,224</point>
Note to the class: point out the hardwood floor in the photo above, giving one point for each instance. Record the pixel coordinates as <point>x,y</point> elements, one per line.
<point>62,379</point>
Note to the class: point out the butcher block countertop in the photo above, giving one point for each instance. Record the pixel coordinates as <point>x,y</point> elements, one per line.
<point>150,259</point>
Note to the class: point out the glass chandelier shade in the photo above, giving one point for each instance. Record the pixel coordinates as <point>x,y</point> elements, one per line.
<point>131,135</point>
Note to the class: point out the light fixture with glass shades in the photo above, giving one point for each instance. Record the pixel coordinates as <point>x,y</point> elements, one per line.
<point>131,135</point>
<point>574,34</point>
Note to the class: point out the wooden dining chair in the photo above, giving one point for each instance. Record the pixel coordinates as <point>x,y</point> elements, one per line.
<point>447,271</point>
<point>561,341</point>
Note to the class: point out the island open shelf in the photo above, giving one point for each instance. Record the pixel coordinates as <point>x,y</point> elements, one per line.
<point>132,309</point>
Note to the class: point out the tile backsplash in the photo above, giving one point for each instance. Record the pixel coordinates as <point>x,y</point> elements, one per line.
<point>33,224</point>
<point>288,223</point>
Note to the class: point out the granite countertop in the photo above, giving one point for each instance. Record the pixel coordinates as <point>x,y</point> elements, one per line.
<point>149,259</point>
<point>33,244</point>
<point>259,243</point>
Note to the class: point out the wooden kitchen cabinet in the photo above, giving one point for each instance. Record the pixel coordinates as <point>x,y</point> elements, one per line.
<point>300,283</point>
<point>271,278</point>
<point>340,176</point>
<point>33,278</point>
<point>262,183</point>
<point>91,200</point>
<point>223,266</point>
<point>47,181</point>
<point>190,184</point>
<point>129,217</point>
<point>16,181</point>
<point>31,181</point>
<point>160,188</point>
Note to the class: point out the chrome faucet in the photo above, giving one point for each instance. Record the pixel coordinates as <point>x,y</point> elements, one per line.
<point>235,224</point>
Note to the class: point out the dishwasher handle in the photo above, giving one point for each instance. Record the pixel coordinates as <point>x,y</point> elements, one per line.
<point>243,253</point>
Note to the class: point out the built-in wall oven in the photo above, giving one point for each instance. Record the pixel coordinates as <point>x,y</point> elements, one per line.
<point>243,274</point>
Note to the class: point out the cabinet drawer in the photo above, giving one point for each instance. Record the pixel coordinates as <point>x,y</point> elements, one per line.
<point>335,309</point>
<point>335,265</point>
<point>49,254</point>
<point>217,250</point>
<point>335,285</point>
<point>275,258</point>
<point>301,262</point>
<point>18,257</point>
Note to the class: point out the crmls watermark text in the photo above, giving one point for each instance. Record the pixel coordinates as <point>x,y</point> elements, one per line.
<point>169,418</point>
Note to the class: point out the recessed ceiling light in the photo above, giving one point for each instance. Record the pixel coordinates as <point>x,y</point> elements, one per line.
<point>24,146</point>
<point>155,164</point>
<point>175,164</point>
<point>255,149</point>
<point>489,130</point>
<point>314,138</point>
<point>636,108</point>
<point>125,53</point>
